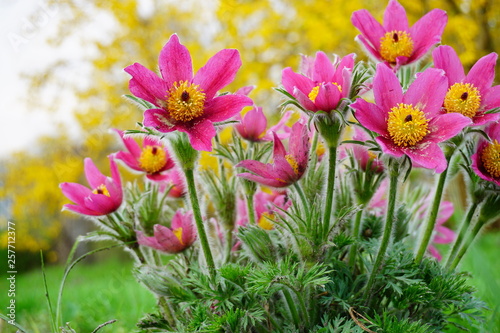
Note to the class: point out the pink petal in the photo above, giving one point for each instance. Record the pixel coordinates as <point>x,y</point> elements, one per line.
<point>304,100</point>
<point>75,192</point>
<point>445,212</point>
<point>94,177</point>
<point>371,116</point>
<point>427,32</point>
<point>477,166</point>
<point>482,119</point>
<point>482,74</point>
<point>446,58</point>
<point>158,119</point>
<point>323,68</point>
<point>427,155</point>
<point>279,149</point>
<point>370,49</point>
<point>82,210</point>
<point>167,240</point>
<point>175,62</point>
<point>262,169</point>
<point>129,160</point>
<point>387,89</point>
<point>443,236</point>
<point>200,134</point>
<point>372,30</point>
<point>218,72</point>
<point>253,125</point>
<point>115,174</point>
<point>100,203</point>
<point>272,182</point>
<point>147,241</point>
<point>328,97</point>
<point>224,107</point>
<point>491,99</point>
<point>299,145</point>
<point>446,126</point>
<point>434,252</point>
<point>130,144</point>
<point>395,17</point>
<point>427,92</point>
<point>292,80</point>
<point>389,147</point>
<point>146,85</point>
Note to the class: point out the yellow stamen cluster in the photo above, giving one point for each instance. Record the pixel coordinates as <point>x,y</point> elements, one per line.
<point>178,233</point>
<point>293,163</point>
<point>101,189</point>
<point>185,101</point>
<point>407,125</point>
<point>265,221</point>
<point>395,44</point>
<point>152,159</point>
<point>314,91</point>
<point>463,98</point>
<point>491,158</point>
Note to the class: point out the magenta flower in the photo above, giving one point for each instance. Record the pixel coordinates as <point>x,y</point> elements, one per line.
<point>287,168</point>
<point>472,94</point>
<point>361,154</point>
<point>185,102</point>
<point>486,160</point>
<point>253,126</point>
<point>174,181</point>
<point>153,158</point>
<point>104,196</point>
<point>266,205</point>
<point>410,123</point>
<point>176,239</point>
<point>394,42</point>
<point>322,84</point>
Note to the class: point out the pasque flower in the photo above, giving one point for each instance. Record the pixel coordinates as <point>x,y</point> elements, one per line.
<point>175,239</point>
<point>442,234</point>
<point>411,123</point>
<point>267,205</point>
<point>486,160</point>
<point>104,196</point>
<point>185,102</point>
<point>365,157</point>
<point>395,42</point>
<point>253,126</point>
<point>322,84</point>
<point>153,158</point>
<point>471,94</point>
<point>287,168</point>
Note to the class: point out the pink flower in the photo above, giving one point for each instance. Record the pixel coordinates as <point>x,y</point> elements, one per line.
<point>362,154</point>
<point>252,126</point>
<point>471,94</point>
<point>410,123</point>
<point>486,160</point>
<point>394,42</point>
<point>442,234</point>
<point>179,237</point>
<point>322,84</point>
<point>104,195</point>
<point>153,158</point>
<point>287,168</point>
<point>266,205</point>
<point>185,102</point>
<point>175,181</point>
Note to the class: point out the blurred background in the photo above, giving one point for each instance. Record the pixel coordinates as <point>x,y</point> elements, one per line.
<point>62,84</point>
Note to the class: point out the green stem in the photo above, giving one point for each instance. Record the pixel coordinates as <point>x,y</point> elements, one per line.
<point>468,241</point>
<point>303,198</point>
<point>193,198</point>
<point>330,188</point>
<point>389,219</point>
<point>355,233</point>
<point>291,305</point>
<point>312,152</point>
<point>167,312</point>
<point>250,209</point>
<point>229,244</point>
<point>431,220</point>
<point>463,230</point>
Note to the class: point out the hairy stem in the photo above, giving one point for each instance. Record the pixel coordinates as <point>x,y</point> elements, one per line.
<point>355,233</point>
<point>330,188</point>
<point>468,241</point>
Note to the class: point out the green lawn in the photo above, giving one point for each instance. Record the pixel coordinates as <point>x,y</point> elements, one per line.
<point>105,290</point>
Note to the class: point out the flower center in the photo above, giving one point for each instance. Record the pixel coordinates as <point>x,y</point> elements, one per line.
<point>314,91</point>
<point>265,221</point>
<point>185,101</point>
<point>152,159</point>
<point>101,189</point>
<point>463,98</point>
<point>395,44</point>
<point>491,158</point>
<point>293,163</point>
<point>178,233</point>
<point>407,125</point>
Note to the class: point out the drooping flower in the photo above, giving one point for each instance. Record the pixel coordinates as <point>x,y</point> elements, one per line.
<point>394,42</point>
<point>153,158</point>
<point>472,94</point>
<point>486,160</point>
<point>287,168</point>
<point>104,196</point>
<point>253,126</point>
<point>411,123</point>
<point>185,102</point>
<point>179,237</point>
<point>322,84</point>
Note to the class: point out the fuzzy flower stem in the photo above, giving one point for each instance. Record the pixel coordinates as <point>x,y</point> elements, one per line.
<point>193,198</point>
<point>467,242</point>
<point>330,188</point>
<point>291,304</point>
<point>250,209</point>
<point>312,152</point>
<point>302,196</point>
<point>389,219</point>
<point>463,230</point>
<point>355,234</point>
<point>431,219</point>
<point>229,244</point>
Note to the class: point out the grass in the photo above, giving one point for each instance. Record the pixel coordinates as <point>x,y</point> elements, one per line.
<point>105,290</point>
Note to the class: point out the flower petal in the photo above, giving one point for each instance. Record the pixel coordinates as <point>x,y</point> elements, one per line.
<point>75,192</point>
<point>427,155</point>
<point>482,74</point>
<point>167,240</point>
<point>492,98</point>
<point>386,88</point>
<point>226,106</point>
<point>292,80</point>
<point>200,134</point>
<point>175,62</point>
<point>427,92</point>
<point>371,116</point>
<point>372,30</point>
<point>272,182</point>
<point>389,147</point>
<point>94,177</point>
<point>427,32</point>
<point>158,119</point>
<point>328,97</point>
<point>218,72</point>
<point>81,210</point>
<point>395,17</point>
<point>370,49</point>
<point>445,126</point>
<point>446,58</point>
<point>145,84</point>
<point>323,68</point>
